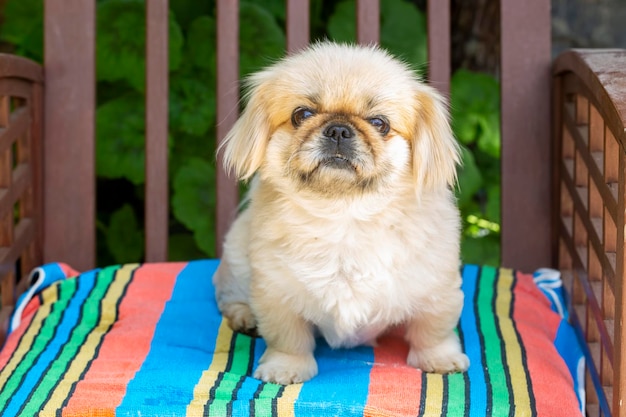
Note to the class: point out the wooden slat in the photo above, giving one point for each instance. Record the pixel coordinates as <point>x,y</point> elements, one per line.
<point>21,179</point>
<point>439,66</point>
<point>297,25</point>
<point>227,103</point>
<point>69,212</point>
<point>24,234</point>
<point>525,63</point>
<point>594,239</point>
<point>156,130</point>
<point>591,301</point>
<point>13,66</point>
<point>36,159</point>
<point>593,170</point>
<point>20,120</point>
<point>15,87</point>
<point>368,21</point>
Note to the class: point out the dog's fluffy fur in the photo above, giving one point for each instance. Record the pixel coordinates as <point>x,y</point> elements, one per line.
<point>351,225</point>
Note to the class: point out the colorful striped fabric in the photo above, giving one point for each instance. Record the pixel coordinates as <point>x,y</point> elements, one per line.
<point>148,340</point>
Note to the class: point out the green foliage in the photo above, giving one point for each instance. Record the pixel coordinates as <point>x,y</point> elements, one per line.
<point>475,116</point>
<point>475,103</point>
<point>402,28</point>
<point>121,42</point>
<point>23,27</point>
<point>120,119</point>
<point>193,201</point>
<point>261,39</point>
<point>120,129</point>
<point>124,237</point>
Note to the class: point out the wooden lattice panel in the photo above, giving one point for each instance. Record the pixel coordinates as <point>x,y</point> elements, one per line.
<point>20,182</point>
<point>591,234</point>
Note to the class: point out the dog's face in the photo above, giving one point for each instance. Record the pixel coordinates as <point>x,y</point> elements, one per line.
<point>337,120</point>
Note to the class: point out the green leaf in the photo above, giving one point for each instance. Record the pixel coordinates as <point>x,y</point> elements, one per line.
<point>193,202</point>
<point>403,31</point>
<point>492,208</point>
<point>22,26</point>
<point>342,23</point>
<point>121,42</point>
<point>275,7</point>
<point>182,247</point>
<point>475,108</point>
<point>186,147</point>
<point>402,28</point>
<point>470,178</point>
<point>124,237</point>
<point>200,46</point>
<point>192,105</point>
<point>186,11</point>
<point>19,19</point>
<point>481,251</point>
<point>120,133</point>
<point>261,40</point>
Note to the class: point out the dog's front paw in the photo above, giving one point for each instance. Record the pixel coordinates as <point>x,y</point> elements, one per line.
<point>283,368</point>
<point>240,317</point>
<point>444,358</point>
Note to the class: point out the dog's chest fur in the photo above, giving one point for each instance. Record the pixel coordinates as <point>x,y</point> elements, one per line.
<point>357,272</point>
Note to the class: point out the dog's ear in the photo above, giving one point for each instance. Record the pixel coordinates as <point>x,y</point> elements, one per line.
<point>436,152</point>
<point>244,145</point>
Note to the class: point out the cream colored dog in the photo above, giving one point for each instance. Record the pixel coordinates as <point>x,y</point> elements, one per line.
<point>351,225</point>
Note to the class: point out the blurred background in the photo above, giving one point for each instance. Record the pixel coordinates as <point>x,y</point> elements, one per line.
<point>474,100</point>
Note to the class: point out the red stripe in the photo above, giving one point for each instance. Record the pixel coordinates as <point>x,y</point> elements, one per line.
<point>125,347</point>
<point>395,387</point>
<point>537,325</point>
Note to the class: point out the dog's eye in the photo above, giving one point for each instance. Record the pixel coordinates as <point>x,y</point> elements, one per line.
<point>381,124</point>
<point>299,115</point>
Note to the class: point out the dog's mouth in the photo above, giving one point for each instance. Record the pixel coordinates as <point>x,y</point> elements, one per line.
<point>337,161</point>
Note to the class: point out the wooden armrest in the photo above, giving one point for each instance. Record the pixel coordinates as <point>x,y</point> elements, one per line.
<point>13,66</point>
<point>590,163</point>
<point>20,176</point>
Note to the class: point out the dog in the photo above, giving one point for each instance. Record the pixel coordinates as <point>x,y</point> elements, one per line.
<point>350,225</point>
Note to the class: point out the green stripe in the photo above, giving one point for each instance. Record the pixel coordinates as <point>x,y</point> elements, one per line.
<point>228,382</point>
<point>264,402</point>
<point>494,349</point>
<point>88,320</point>
<point>456,395</point>
<point>46,334</point>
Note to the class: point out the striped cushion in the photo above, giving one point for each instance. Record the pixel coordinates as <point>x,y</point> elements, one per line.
<point>148,340</point>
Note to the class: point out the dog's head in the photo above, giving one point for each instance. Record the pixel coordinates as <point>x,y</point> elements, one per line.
<point>339,119</point>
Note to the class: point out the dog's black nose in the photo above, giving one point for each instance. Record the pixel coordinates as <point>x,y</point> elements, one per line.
<point>338,132</point>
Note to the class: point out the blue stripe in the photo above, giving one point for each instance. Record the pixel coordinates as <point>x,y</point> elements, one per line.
<point>472,346</point>
<point>241,406</point>
<point>342,384</point>
<point>182,347</point>
<point>566,343</point>
<point>71,317</point>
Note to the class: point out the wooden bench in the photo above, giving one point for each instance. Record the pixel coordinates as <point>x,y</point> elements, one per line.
<point>562,181</point>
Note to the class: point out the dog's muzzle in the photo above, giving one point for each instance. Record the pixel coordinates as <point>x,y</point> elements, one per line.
<point>338,148</point>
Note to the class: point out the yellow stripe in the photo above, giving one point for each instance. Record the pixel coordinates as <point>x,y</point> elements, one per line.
<point>88,349</point>
<point>434,394</point>
<point>285,403</point>
<point>49,296</point>
<point>209,377</point>
<point>516,369</point>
